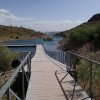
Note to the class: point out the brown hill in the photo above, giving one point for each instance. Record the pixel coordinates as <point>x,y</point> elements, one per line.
<point>12,33</point>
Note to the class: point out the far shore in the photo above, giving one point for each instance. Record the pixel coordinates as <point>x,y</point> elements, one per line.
<point>5,40</point>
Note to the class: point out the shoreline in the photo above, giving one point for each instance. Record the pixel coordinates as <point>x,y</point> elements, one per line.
<point>34,37</point>
<point>1,41</point>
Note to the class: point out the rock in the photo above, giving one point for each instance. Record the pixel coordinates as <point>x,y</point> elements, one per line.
<point>95,17</point>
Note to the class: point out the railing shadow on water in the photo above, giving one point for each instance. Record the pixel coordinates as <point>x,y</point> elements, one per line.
<point>21,76</point>
<point>84,71</point>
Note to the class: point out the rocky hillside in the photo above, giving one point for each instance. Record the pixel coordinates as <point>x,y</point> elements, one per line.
<point>12,33</point>
<point>83,39</point>
<point>96,17</point>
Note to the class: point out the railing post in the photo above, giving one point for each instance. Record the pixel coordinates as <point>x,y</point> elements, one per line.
<point>18,84</point>
<point>8,94</point>
<point>90,90</point>
<point>59,56</point>
<point>23,91</point>
<point>70,58</point>
<point>62,57</point>
<point>28,72</point>
<point>29,67</point>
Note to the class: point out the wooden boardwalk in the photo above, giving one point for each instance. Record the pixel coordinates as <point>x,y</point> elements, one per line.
<point>43,83</point>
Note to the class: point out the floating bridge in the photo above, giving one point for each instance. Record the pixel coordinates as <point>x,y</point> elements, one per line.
<point>44,78</point>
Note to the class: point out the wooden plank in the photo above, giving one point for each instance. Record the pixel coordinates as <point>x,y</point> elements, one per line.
<point>43,84</point>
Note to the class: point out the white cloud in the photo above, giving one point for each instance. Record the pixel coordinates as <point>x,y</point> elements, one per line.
<point>79,21</point>
<point>8,18</point>
<point>6,14</point>
<point>55,25</point>
<point>53,22</point>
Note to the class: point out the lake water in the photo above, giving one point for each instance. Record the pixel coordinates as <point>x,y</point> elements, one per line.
<point>52,45</point>
<point>49,45</point>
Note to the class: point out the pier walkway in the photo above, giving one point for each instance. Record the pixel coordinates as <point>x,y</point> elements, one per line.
<point>43,83</point>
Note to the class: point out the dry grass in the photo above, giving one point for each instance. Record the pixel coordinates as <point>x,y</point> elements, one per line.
<point>4,76</point>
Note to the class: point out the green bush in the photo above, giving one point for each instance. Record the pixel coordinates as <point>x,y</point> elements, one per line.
<point>17,37</point>
<point>48,39</point>
<point>6,58</point>
<point>85,33</point>
<point>82,35</point>
<point>97,35</point>
<point>83,70</point>
<point>83,74</point>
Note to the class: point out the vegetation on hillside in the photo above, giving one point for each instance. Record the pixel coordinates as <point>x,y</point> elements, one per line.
<point>84,71</point>
<point>95,17</point>
<point>87,32</point>
<point>6,58</point>
<point>48,39</point>
<point>11,33</point>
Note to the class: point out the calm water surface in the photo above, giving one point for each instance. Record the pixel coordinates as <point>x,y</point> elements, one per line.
<point>49,45</point>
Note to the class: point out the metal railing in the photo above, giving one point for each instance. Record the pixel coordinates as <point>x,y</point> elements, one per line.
<point>6,89</point>
<point>57,55</point>
<point>86,72</point>
<point>23,54</point>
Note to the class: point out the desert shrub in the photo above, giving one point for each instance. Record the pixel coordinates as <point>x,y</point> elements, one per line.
<point>11,36</point>
<point>83,70</point>
<point>83,74</point>
<point>6,58</point>
<point>48,39</point>
<point>85,33</point>
<point>97,35</point>
<point>82,34</point>
<point>17,37</point>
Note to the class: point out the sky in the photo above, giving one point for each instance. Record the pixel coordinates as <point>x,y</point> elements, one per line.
<point>47,15</point>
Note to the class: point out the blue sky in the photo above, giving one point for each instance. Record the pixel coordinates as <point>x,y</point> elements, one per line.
<point>47,15</point>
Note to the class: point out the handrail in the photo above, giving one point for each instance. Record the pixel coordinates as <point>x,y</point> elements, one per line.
<point>83,57</point>
<point>73,62</point>
<point>92,68</point>
<point>7,85</point>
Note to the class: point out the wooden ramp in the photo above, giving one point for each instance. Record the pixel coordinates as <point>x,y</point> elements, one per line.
<point>43,84</point>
